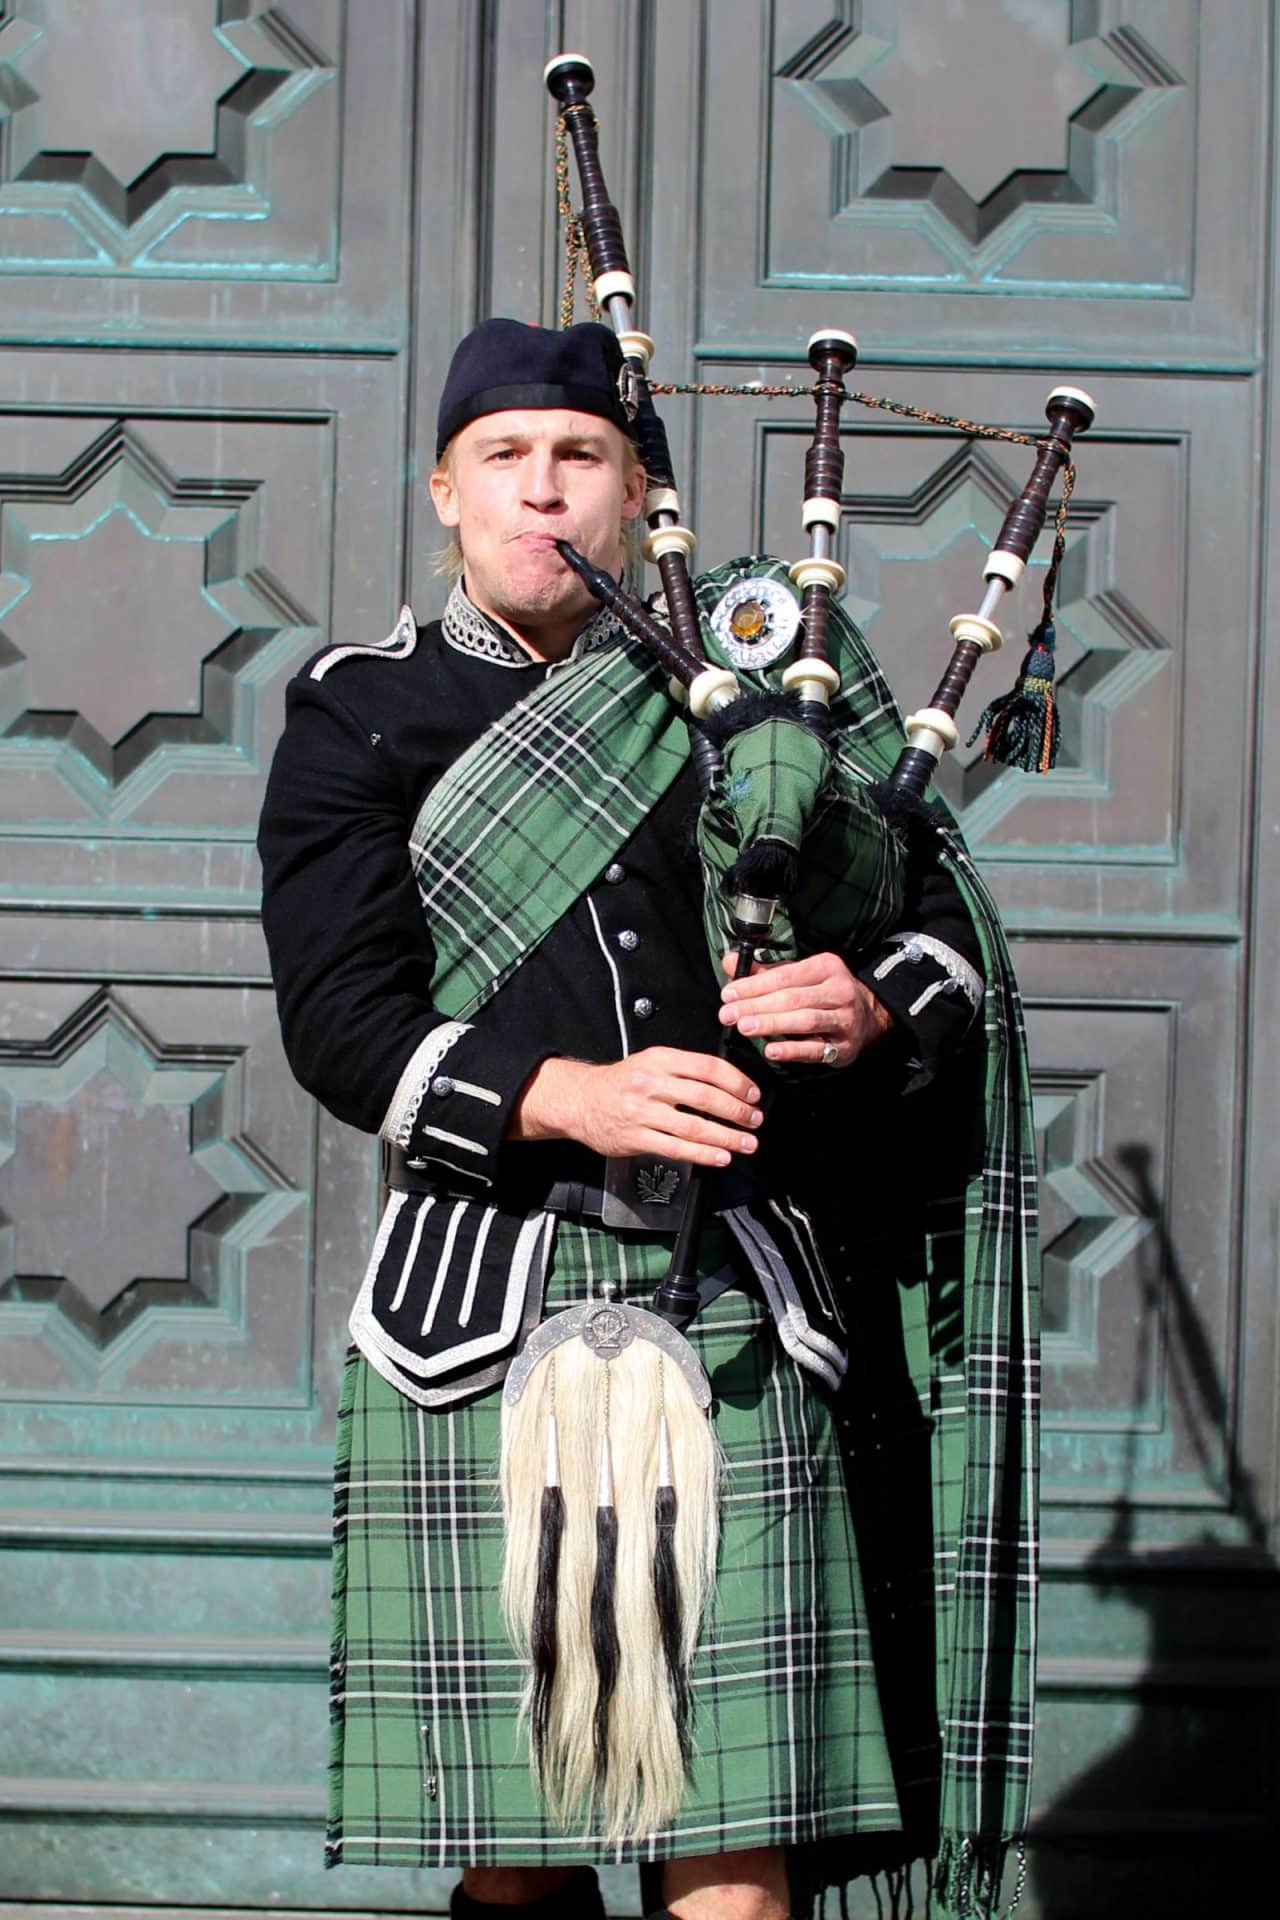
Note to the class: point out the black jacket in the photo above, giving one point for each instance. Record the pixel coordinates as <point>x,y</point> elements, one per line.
<point>368,732</point>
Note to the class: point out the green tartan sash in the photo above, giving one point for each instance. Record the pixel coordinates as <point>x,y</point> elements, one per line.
<point>544,799</point>
<point>531,814</point>
<point>523,823</point>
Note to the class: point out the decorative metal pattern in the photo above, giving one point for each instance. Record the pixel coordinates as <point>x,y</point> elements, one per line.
<point>607,1327</point>
<point>756,623</point>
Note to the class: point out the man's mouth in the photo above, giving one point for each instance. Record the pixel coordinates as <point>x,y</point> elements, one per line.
<point>536,542</point>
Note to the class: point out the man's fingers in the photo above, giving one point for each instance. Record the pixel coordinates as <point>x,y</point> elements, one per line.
<point>712,1102</point>
<point>808,1052</point>
<point>685,1106</point>
<point>792,973</point>
<point>702,1113</point>
<point>666,1146</point>
<point>708,1133</point>
<point>829,1020</point>
<point>715,1144</point>
<point>825,994</point>
<point>702,1069</point>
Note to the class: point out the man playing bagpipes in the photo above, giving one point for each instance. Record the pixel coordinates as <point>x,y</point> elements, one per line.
<point>755,1601</point>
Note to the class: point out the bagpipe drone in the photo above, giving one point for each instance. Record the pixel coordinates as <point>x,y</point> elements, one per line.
<point>608,1574</point>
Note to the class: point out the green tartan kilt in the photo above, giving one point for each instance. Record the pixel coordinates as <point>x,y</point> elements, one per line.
<point>429,1765</point>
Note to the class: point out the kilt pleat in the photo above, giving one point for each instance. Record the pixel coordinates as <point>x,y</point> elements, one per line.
<point>430,1766</point>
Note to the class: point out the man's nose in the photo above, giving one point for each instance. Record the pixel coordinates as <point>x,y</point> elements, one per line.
<point>542,482</point>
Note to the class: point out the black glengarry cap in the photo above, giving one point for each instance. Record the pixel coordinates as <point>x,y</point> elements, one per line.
<point>505,364</point>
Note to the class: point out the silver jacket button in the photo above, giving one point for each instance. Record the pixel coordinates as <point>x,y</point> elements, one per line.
<point>628,940</point>
<point>442,1086</point>
<point>614,873</point>
<point>642,1008</point>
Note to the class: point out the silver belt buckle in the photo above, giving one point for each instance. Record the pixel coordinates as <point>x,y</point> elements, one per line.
<point>644,1195</point>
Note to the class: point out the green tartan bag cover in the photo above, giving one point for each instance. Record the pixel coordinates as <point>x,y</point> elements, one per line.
<point>780,786</point>
<point>783,786</point>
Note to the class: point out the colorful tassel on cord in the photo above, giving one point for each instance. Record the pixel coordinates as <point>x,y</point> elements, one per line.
<point>1023,726</point>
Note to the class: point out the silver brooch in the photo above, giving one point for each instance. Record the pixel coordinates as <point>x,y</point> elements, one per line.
<point>607,1331</point>
<point>756,622</point>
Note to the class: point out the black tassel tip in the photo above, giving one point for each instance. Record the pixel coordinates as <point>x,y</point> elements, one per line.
<point>1023,729</point>
<point>604,1631</point>
<point>542,1638</point>
<point>666,1594</point>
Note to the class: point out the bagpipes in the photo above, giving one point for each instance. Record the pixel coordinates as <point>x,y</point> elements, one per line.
<point>608,1574</point>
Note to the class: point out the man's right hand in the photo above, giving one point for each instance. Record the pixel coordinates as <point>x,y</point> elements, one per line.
<point>661,1101</point>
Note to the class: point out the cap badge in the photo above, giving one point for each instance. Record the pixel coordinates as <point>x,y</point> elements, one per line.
<point>629,389</point>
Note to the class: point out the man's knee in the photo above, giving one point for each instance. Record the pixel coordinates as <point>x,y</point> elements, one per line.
<point>729,1886</point>
<point>735,1901</point>
<point>528,1893</point>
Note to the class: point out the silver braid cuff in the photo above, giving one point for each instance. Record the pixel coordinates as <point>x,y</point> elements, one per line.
<point>424,1063</point>
<point>958,975</point>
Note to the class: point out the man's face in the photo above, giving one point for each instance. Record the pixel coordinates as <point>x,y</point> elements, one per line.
<point>518,481</point>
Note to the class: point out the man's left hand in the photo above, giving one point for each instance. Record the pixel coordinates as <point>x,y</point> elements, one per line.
<point>809,1004</point>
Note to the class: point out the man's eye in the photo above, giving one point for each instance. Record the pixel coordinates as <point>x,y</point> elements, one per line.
<point>503,454</point>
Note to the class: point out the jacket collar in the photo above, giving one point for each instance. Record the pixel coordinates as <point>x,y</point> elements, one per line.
<point>473,632</point>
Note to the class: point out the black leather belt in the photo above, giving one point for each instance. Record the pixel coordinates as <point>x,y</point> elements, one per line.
<point>626,1195</point>
<point>585,1200</point>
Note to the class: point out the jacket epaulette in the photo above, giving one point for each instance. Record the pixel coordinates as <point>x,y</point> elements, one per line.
<point>398,645</point>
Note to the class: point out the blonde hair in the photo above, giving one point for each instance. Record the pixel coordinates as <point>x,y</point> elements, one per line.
<point>447,560</point>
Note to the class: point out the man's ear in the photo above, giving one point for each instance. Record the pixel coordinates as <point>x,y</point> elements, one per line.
<point>444,497</point>
<point>633,492</point>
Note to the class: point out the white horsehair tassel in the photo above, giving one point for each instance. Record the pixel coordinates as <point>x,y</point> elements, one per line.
<point>604,1480</point>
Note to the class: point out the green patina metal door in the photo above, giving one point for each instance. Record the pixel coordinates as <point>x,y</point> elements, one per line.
<point>236,244</point>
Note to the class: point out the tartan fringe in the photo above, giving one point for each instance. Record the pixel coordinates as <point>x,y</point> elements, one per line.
<point>962,1881</point>
<point>338,1640</point>
<point>967,1875</point>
